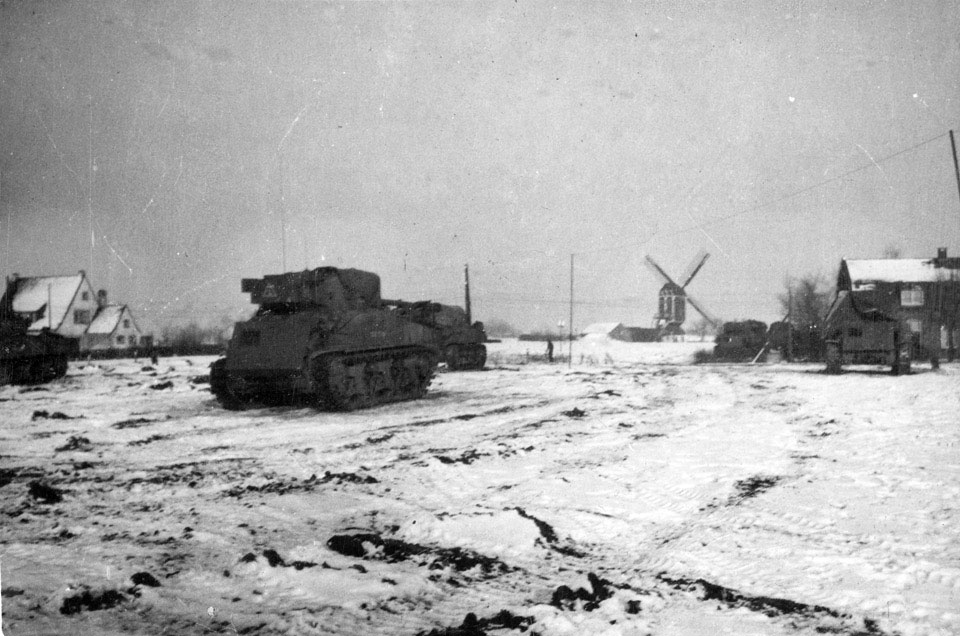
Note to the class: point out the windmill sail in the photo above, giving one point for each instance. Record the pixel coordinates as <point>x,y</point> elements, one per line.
<point>672,300</point>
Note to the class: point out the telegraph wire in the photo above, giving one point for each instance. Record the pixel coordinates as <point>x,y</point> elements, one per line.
<point>772,202</point>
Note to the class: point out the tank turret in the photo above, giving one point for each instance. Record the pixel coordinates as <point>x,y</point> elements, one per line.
<point>325,336</point>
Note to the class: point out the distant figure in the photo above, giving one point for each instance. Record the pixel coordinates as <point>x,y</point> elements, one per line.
<point>154,358</point>
<point>549,350</point>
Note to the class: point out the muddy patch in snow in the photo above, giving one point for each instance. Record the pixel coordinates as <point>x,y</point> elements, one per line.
<point>135,422</point>
<point>473,626</point>
<point>55,415</point>
<point>753,486</point>
<point>278,486</point>
<point>91,601</point>
<point>828,620</point>
<point>373,546</point>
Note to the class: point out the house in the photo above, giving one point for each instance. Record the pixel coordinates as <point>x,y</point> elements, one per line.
<point>614,330</point>
<point>112,328</point>
<point>887,306</point>
<point>69,306</point>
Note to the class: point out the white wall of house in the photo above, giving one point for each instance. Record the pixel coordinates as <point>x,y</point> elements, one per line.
<point>126,335</point>
<point>80,312</point>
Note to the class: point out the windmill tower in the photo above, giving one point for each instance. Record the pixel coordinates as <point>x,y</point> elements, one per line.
<point>673,298</point>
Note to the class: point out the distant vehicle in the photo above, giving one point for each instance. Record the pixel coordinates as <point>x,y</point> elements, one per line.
<point>461,342</point>
<point>740,341</point>
<point>325,336</point>
<point>29,358</point>
<point>862,331</point>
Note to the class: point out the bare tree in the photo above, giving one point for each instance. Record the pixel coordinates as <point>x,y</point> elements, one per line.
<point>806,300</point>
<point>703,327</point>
<point>892,251</point>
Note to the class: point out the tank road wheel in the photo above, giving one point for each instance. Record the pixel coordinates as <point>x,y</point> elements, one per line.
<point>453,358</point>
<point>477,355</point>
<point>60,368</point>
<point>220,386</point>
<point>379,385</point>
<point>481,357</point>
<point>407,383</point>
<point>345,387</point>
<point>423,367</point>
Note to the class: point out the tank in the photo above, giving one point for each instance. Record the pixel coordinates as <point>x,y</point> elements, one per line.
<point>460,342</point>
<point>29,358</point>
<point>325,337</point>
<point>740,341</point>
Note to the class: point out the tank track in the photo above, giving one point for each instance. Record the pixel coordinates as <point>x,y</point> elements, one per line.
<point>341,381</point>
<point>362,379</point>
<point>465,357</point>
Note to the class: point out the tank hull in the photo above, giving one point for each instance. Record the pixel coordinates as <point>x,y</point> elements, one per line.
<point>32,359</point>
<point>326,339</point>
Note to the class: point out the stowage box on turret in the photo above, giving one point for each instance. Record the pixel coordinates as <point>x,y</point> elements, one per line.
<point>325,336</point>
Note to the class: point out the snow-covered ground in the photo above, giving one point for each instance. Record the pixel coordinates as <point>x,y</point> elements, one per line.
<point>631,492</point>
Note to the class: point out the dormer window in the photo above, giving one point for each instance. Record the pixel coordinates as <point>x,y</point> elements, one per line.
<point>911,296</point>
<point>85,296</point>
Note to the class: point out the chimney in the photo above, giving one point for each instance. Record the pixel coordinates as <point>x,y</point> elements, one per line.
<point>941,253</point>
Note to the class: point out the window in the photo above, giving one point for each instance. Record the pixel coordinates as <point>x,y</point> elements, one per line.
<point>914,325</point>
<point>911,296</point>
<point>855,332</point>
<point>85,296</point>
<point>81,316</point>
<point>120,340</point>
<point>126,323</point>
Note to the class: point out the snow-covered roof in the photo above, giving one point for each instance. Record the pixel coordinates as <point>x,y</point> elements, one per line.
<point>58,291</point>
<point>106,319</point>
<point>602,328</point>
<point>895,270</point>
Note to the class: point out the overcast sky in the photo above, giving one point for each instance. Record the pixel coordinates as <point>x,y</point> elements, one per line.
<point>171,148</point>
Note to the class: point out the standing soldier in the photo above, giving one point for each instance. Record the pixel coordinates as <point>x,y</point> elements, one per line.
<point>549,350</point>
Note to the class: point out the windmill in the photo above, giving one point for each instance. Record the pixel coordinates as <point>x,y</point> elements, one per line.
<point>673,298</point>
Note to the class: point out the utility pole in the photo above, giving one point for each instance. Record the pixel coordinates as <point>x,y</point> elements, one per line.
<point>283,219</point>
<point>788,321</point>
<point>951,345</point>
<point>956,167</point>
<point>466,292</point>
<point>570,335</point>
